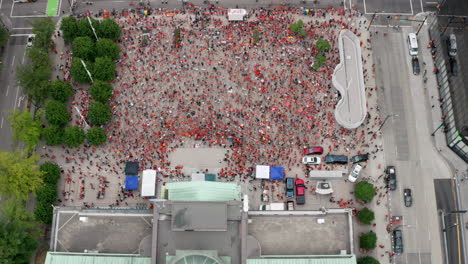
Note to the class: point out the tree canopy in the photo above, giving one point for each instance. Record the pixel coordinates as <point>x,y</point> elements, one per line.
<point>53,135</point>
<point>319,61</point>
<point>99,113</point>
<point>84,29</point>
<point>366,216</point>
<point>109,29</point>
<point>35,82</point>
<point>61,90</point>
<point>96,136</point>
<point>78,71</point>
<point>368,240</point>
<point>16,243</point>
<point>104,69</point>
<point>107,48</point>
<point>69,28</point>
<point>83,47</point>
<point>51,172</point>
<point>25,128</point>
<point>101,91</point>
<point>367,260</point>
<point>298,28</point>
<point>57,113</point>
<point>74,136</point>
<point>44,28</point>
<point>19,174</point>
<point>364,191</point>
<point>4,36</point>
<point>322,45</point>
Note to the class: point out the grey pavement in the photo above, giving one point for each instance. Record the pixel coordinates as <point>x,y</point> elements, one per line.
<point>348,79</point>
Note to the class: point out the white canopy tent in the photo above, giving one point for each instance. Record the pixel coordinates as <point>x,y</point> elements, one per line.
<point>236,14</point>
<point>262,172</point>
<point>148,183</point>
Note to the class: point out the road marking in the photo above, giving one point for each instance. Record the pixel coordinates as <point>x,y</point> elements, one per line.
<point>16,98</point>
<point>385,26</point>
<point>1,125</point>
<point>19,35</point>
<point>365,9</point>
<point>20,28</point>
<point>411,5</point>
<point>350,4</point>
<point>422,8</point>
<point>22,61</point>
<point>13,61</point>
<point>1,2</point>
<point>12,6</point>
<point>8,89</point>
<point>344,4</point>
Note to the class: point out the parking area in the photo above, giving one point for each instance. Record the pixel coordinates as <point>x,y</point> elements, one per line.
<point>301,235</point>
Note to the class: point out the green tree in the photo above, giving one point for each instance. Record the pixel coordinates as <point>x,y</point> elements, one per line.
<point>367,260</point>
<point>107,48</point>
<point>78,71</point>
<point>364,191</point>
<point>35,82</point>
<point>298,28</point>
<point>53,135</point>
<point>4,36</point>
<point>74,136</point>
<point>61,90</point>
<point>322,45</point>
<point>51,172</point>
<point>47,193</point>
<point>366,216</point>
<point>16,243</point>
<point>84,29</point>
<point>57,113</point>
<point>39,58</point>
<point>19,174</point>
<point>99,113</point>
<point>368,240</point>
<point>101,91</point>
<point>25,128</point>
<point>14,210</point>
<point>69,28</point>
<point>319,61</point>
<point>104,69</point>
<point>96,136</point>
<point>44,28</point>
<point>83,47</point>
<point>109,29</point>
<point>44,212</point>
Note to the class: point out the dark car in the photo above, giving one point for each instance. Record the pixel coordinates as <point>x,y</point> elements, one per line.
<point>415,66</point>
<point>408,197</point>
<point>289,187</point>
<point>360,158</point>
<point>339,159</point>
<point>397,242</point>
<point>300,191</point>
<point>453,66</point>
<point>313,151</point>
<point>391,178</point>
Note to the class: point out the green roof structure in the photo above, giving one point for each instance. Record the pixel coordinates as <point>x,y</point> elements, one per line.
<point>316,259</point>
<point>204,191</point>
<point>89,258</point>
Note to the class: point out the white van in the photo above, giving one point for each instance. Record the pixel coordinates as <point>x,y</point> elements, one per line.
<point>413,44</point>
<point>355,173</point>
<point>452,45</point>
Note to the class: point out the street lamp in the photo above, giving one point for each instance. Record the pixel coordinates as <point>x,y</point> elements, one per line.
<point>439,127</point>
<point>385,120</point>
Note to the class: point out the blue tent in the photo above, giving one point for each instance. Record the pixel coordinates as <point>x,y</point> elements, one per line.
<point>276,173</point>
<point>131,183</point>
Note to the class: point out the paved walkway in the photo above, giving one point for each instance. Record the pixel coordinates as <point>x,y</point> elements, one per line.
<point>348,79</point>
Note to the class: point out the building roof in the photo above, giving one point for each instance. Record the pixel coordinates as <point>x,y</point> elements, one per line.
<point>329,259</point>
<point>88,258</point>
<point>204,191</point>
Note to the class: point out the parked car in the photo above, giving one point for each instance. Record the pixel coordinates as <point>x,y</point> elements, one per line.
<point>313,151</point>
<point>30,40</point>
<point>311,160</point>
<point>300,191</point>
<point>408,197</point>
<point>415,66</point>
<point>355,173</point>
<point>391,178</point>
<point>339,159</point>
<point>453,66</point>
<point>360,158</point>
<point>397,242</point>
<point>289,187</point>
<point>452,45</point>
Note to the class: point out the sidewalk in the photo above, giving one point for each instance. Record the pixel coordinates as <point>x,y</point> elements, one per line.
<point>456,165</point>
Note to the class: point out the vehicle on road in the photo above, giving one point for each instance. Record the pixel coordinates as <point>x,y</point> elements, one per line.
<point>336,159</point>
<point>407,197</point>
<point>360,158</point>
<point>391,178</point>
<point>415,66</point>
<point>30,40</point>
<point>289,187</point>
<point>413,44</point>
<point>300,191</point>
<point>313,151</point>
<point>453,66</point>
<point>355,173</point>
<point>397,242</point>
<point>452,45</point>
<point>311,160</point>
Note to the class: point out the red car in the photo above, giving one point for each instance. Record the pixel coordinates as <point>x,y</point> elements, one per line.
<point>313,151</point>
<point>300,191</point>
